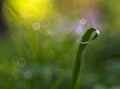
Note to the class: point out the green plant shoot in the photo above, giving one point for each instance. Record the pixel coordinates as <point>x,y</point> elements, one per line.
<point>87,37</point>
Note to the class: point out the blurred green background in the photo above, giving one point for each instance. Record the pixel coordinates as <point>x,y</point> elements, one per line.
<point>43,36</point>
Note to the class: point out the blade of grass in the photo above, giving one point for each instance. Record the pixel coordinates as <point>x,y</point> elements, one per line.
<point>88,36</point>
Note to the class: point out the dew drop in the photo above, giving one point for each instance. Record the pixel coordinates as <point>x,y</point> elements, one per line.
<point>98,32</point>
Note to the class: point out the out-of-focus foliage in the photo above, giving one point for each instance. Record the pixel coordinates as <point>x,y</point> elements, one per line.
<point>39,54</point>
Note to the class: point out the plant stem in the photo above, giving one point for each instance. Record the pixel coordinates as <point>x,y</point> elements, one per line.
<point>84,42</point>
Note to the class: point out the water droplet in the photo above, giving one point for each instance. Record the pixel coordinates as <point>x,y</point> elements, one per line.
<point>98,32</point>
<point>28,75</point>
<point>21,62</point>
<point>83,21</point>
<point>36,26</point>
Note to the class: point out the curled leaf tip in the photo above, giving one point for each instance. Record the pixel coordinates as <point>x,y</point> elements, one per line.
<point>88,36</point>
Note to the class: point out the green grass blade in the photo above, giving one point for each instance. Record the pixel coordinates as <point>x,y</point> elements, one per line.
<point>88,36</point>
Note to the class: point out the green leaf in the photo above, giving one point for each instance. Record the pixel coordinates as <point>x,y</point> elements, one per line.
<point>88,36</point>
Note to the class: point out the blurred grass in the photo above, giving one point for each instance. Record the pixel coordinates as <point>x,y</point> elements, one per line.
<point>48,54</point>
